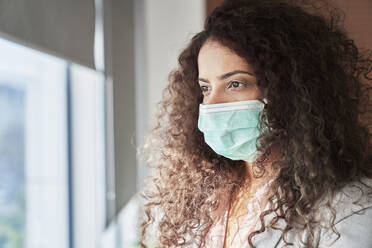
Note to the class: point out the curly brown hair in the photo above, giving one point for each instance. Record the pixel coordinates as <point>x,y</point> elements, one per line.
<point>318,113</point>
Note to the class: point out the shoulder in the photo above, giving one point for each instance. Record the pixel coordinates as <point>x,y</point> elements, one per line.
<point>352,199</point>
<point>353,218</point>
<point>353,221</point>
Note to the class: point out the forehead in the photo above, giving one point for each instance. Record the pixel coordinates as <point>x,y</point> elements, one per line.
<point>215,57</point>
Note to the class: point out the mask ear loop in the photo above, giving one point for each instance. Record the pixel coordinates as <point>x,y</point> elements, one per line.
<point>265,102</point>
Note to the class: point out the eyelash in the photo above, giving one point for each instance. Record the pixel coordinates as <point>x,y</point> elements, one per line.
<point>229,86</point>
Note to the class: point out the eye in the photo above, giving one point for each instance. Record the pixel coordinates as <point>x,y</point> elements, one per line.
<point>204,88</point>
<point>236,84</point>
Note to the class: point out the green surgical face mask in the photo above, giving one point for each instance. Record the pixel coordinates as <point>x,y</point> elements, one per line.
<point>231,129</point>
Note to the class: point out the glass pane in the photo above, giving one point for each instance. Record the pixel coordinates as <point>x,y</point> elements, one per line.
<point>33,149</point>
<point>88,155</point>
<point>12,170</point>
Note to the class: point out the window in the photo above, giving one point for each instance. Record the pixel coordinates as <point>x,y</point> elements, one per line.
<point>52,151</point>
<point>33,149</point>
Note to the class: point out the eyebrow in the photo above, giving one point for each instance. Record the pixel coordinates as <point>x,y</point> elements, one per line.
<point>229,74</point>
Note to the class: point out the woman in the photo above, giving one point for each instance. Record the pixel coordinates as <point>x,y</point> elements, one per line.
<point>262,136</point>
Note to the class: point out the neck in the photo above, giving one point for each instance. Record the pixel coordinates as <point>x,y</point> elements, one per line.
<point>255,177</point>
<point>254,180</point>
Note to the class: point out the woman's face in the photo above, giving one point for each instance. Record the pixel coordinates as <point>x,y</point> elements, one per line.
<point>224,76</point>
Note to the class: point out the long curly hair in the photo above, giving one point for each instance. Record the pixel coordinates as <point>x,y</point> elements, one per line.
<point>318,113</point>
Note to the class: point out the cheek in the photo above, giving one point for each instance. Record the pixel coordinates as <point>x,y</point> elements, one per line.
<point>249,93</point>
